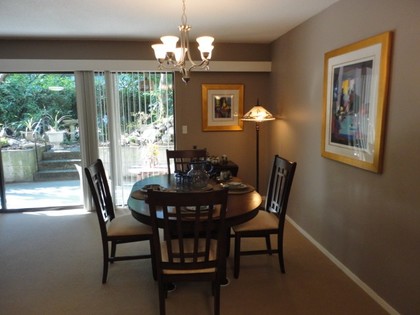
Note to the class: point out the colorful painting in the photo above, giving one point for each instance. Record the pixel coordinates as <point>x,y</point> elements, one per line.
<point>355,89</point>
<point>222,107</point>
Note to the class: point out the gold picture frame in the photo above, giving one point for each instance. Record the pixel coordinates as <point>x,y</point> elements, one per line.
<point>222,107</point>
<point>356,79</point>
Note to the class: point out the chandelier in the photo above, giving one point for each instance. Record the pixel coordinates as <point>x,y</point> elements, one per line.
<point>172,57</point>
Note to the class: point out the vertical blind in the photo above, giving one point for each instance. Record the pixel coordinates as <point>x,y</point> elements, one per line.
<point>135,125</point>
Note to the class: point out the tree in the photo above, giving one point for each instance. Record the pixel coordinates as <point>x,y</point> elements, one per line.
<point>29,94</point>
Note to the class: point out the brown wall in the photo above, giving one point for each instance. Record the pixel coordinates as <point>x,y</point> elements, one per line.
<point>118,50</point>
<point>237,145</point>
<point>369,222</point>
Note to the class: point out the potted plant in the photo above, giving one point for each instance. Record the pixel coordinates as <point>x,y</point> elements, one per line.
<point>55,135</point>
<point>56,121</point>
<point>28,123</point>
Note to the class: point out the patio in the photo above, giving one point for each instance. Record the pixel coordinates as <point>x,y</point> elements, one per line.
<point>43,194</point>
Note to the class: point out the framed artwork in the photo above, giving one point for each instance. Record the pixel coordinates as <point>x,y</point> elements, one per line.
<point>356,79</point>
<point>222,107</point>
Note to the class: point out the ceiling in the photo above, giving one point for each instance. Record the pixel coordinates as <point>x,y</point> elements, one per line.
<point>234,21</point>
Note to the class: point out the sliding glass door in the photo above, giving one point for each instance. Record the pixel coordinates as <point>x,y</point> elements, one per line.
<point>42,152</point>
<point>135,126</point>
<point>39,140</point>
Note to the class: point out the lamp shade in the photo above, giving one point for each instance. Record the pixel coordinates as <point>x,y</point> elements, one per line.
<point>205,46</point>
<point>160,51</point>
<point>169,42</point>
<point>258,114</point>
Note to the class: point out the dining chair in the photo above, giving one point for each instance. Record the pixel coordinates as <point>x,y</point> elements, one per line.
<point>181,159</point>
<point>114,229</point>
<point>191,245</point>
<point>270,219</point>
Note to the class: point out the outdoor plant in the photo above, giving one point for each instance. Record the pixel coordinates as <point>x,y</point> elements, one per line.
<point>28,123</point>
<point>152,154</point>
<point>3,142</point>
<point>56,121</point>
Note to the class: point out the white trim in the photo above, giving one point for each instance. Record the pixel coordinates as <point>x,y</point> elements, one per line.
<point>347,271</point>
<point>64,65</point>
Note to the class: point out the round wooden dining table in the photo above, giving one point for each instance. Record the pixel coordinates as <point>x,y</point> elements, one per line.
<point>242,204</point>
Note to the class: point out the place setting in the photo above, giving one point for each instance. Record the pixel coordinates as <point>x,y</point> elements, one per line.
<point>236,187</point>
<point>142,192</point>
<point>233,184</point>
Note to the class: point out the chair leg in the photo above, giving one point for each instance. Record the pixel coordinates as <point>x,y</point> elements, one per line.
<point>228,243</point>
<point>268,244</point>
<point>105,261</point>
<point>113,249</point>
<point>217,299</point>
<point>236,259</point>
<point>162,297</point>
<point>152,253</point>
<point>280,252</point>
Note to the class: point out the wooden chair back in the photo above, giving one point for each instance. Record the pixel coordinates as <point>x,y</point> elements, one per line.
<point>194,231</point>
<point>181,159</point>
<point>279,186</point>
<point>101,194</point>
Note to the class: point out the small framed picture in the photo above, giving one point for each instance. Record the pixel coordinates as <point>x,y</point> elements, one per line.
<point>355,95</point>
<point>222,107</point>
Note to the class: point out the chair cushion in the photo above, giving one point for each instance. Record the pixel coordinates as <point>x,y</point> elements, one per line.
<point>126,225</point>
<point>188,246</point>
<point>262,221</point>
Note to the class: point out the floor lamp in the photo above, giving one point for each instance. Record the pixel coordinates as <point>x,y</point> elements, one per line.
<point>257,114</point>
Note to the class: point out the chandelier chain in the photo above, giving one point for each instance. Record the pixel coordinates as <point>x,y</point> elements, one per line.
<point>184,15</point>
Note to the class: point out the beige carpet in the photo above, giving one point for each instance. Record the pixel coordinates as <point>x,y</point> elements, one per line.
<point>52,264</point>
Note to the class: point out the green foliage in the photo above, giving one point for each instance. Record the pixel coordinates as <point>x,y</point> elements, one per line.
<point>3,142</point>
<point>55,122</point>
<point>27,96</point>
<point>145,98</point>
<point>154,102</point>
<point>27,123</point>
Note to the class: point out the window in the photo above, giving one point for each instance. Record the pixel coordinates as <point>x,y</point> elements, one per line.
<point>135,119</point>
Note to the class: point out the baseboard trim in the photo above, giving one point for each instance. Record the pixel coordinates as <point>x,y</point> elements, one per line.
<point>347,271</point>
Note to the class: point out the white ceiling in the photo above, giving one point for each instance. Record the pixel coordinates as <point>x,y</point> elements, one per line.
<point>235,21</point>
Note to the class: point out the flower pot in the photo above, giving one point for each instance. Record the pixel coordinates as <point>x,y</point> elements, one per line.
<point>56,138</point>
<point>29,135</point>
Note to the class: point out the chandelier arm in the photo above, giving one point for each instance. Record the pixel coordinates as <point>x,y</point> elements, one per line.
<point>203,64</point>
<point>189,54</point>
<point>184,42</point>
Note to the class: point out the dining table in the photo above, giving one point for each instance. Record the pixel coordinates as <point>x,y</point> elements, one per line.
<point>243,201</point>
<point>242,205</point>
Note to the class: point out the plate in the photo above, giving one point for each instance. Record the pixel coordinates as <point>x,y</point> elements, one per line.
<point>235,185</point>
<point>246,190</point>
<point>219,179</point>
<point>152,187</point>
